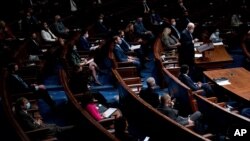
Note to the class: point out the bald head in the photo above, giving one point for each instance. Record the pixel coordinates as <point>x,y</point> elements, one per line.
<point>190,27</point>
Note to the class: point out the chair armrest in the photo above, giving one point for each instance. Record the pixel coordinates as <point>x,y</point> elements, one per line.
<point>107,120</point>
<point>190,126</point>
<point>38,131</point>
<point>213,99</point>
<point>125,64</point>
<point>199,92</point>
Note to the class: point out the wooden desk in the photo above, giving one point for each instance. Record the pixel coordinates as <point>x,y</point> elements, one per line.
<point>238,77</point>
<point>216,58</point>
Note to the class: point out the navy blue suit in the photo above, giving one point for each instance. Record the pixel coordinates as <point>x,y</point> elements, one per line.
<point>186,50</point>
<point>125,45</point>
<point>119,54</point>
<point>189,82</point>
<point>194,86</point>
<point>84,44</point>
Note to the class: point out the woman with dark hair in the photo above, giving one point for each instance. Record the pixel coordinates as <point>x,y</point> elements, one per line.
<point>95,109</point>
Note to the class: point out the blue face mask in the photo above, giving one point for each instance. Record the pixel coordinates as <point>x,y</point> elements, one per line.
<point>28,105</point>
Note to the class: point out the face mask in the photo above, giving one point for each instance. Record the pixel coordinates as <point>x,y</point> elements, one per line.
<point>217,33</point>
<point>74,48</point>
<point>86,35</point>
<point>174,23</point>
<point>100,20</point>
<point>119,41</point>
<point>28,106</point>
<point>153,14</point>
<point>191,30</point>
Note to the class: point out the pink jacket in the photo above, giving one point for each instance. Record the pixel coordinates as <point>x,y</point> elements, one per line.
<point>92,109</point>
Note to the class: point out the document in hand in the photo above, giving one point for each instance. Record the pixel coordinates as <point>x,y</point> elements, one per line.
<point>134,47</point>
<point>109,112</point>
<point>205,47</point>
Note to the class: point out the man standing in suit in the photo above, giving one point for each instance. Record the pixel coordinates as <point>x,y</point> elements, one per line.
<point>174,29</point>
<point>194,85</point>
<point>186,50</point>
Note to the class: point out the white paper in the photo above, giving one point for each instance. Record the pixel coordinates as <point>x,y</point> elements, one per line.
<point>109,112</point>
<point>197,55</point>
<point>218,44</point>
<point>94,47</point>
<point>134,47</point>
<point>205,47</point>
<point>197,44</point>
<point>223,83</point>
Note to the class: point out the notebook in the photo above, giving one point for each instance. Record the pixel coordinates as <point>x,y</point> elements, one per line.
<point>109,112</point>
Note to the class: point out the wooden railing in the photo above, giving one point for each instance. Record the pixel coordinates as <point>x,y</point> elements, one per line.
<point>92,126</point>
<point>154,123</point>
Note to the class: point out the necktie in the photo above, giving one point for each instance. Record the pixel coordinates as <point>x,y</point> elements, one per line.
<point>178,33</point>
<point>126,43</point>
<point>51,35</point>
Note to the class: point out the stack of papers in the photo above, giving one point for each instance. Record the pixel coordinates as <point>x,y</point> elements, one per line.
<point>197,55</point>
<point>222,81</point>
<point>197,44</point>
<point>218,44</point>
<point>205,47</point>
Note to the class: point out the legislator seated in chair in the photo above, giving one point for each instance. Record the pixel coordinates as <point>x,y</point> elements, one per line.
<point>97,110</point>
<point>74,58</point>
<point>169,40</point>
<point>28,122</point>
<point>166,107</point>
<point>120,54</point>
<point>150,94</point>
<point>18,85</point>
<point>183,76</point>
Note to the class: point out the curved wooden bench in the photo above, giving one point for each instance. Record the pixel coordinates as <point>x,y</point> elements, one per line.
<point>221,119</point>
<point>153,123</point>
<point>89,124</point>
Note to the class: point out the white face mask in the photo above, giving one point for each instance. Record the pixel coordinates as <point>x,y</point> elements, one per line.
<point>28,106</point>
<point>174,23</point>
<point>217,33</point>
<point>191,30</point>
<point>86,35</point>
<point>101,20</point>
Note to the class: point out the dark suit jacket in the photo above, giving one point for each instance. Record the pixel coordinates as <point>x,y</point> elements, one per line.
<point>34,47</point>
<point>174,32</point>
<point>186,50</point>
<point>17,85</point>
<point>189,82</point>
<point>173,114</point>
<point>74,58</point>
<point>26,120</point>
<point>84,44</point>
<point>125,45</point>
<point>119,54</point>
<point>150,96</point>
